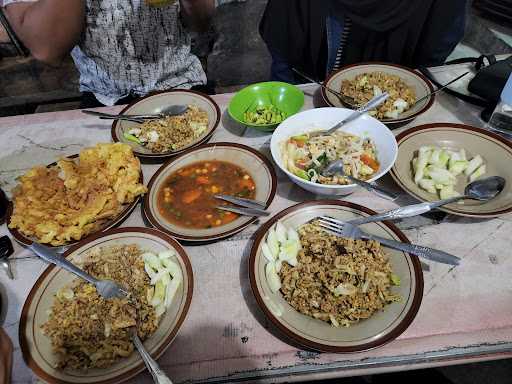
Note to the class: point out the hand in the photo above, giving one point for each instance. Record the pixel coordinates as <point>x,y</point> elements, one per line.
<point>5,357</point>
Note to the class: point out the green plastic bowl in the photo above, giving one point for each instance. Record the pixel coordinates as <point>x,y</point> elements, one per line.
<point>286,97</point>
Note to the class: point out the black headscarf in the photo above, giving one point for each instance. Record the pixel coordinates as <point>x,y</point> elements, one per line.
<point>398,31</point>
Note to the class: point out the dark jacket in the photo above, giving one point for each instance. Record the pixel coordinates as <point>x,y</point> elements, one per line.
<point>407,32</point>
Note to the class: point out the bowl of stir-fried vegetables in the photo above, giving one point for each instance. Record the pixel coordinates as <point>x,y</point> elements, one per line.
<point>367,148</point>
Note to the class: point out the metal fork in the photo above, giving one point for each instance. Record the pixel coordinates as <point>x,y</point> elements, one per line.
<point>247,207</point>
<point>344,229</point>
<point>106,288</point>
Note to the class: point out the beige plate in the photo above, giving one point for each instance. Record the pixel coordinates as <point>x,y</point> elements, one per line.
<point>495,150</point>
<point>154,103</point>
<point>258,167</point>
<point>413,79</point>
<point>36,347</point>
<point>116,221</point>
<point>380,328</point>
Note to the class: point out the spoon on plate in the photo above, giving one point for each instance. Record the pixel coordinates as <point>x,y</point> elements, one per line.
<point>373,103</point>
<point>171,110</point>
<point>336,168</point>
<point>343,98</point>
<point>6,250</point>
<point>480,190</point>
<point>159,377</point>
<point>437,90</point>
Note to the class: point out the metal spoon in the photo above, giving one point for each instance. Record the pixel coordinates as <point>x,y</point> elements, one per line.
<point>343,98</point>
<point>481,190</point>
<point>159,377</point>
<point>434,92</point>
<point>373,103</point>
<point>6,250</point>
<point>336,167</point>
<point>171,110</point>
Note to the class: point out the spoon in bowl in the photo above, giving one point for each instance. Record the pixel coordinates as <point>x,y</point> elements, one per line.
<point>336,168</point>
<point>373,103</point>
<point>480,190</point>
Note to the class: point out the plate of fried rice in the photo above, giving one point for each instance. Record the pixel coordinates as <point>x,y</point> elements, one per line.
<point>170,135</point>
<point>70,334</point>
<point>333,294</point>
<point>363,81</point>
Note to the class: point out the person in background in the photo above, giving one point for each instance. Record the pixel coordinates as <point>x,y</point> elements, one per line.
<point>122,49</point>
<point>5,357</point>
<point>318,37</point>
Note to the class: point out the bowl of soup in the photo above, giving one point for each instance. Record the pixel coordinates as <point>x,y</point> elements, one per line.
<point>181,194</point>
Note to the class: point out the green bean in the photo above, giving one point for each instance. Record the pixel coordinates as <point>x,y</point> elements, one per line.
<point>264,115</point>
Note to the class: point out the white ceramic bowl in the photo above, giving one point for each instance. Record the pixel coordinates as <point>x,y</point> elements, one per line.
<point>325,118</point>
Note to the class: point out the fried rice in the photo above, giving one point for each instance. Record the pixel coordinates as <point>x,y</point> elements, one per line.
<point>172,132</point>
<point>368,85</point>
<point>338,280</point>
<point>88,331</point>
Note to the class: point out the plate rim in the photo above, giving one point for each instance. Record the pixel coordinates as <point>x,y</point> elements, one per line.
<point>138,367</point>
<point>118,220</point>
<point>151,219</point>
<point>392,335</point>
<point>449,126</point>
<point>165,155</point>
<point>388,121</point>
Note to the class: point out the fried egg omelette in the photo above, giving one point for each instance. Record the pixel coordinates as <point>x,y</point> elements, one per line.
<point>68,201</point>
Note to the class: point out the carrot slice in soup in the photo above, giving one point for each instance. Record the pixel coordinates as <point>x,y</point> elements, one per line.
<point>191,196</point>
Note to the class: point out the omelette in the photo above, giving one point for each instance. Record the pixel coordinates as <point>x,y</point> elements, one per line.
<point>64,203</point>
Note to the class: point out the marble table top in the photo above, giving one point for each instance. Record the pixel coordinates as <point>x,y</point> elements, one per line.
<point>466,313</point>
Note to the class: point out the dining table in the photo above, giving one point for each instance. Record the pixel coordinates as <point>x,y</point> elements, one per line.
<point>465,314</point>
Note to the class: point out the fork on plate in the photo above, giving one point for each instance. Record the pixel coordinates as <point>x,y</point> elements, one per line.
<point>106,288</point>
<point>344,229</point>
<point>247,207</point>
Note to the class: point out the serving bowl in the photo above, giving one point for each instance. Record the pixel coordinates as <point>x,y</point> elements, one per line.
<point>36,347</point>
<point>414,79</point>
<point>382,327</point>
<point>154,103</point>
<point>324,118</point>
<point>286,97</point>
<point>254,163</point>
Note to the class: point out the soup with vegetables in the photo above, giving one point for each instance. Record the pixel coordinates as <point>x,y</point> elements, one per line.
<point>186,198</point>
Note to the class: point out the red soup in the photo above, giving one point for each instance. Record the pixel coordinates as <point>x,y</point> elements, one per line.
<point>186,196</point>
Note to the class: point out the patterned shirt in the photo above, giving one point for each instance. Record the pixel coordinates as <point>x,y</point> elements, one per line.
<point>128,47</point>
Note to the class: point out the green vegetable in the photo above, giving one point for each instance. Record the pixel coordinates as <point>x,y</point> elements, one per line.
<point>444,157</point>
<point>448,192</point>
<point>395,280</point>
<point>423,159</point>
<point>302,138</point>
<point>479,172</point>
<point>264,115</point>
<point>458,166</point>
<point>301,173</point>
<point>441,175</point>
<point>428,185</point>
<point>130,137</point>
<point>473,165</point>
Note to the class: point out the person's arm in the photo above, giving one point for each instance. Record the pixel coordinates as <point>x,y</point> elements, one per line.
<point>48,28</point>
<point>197,14</point>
